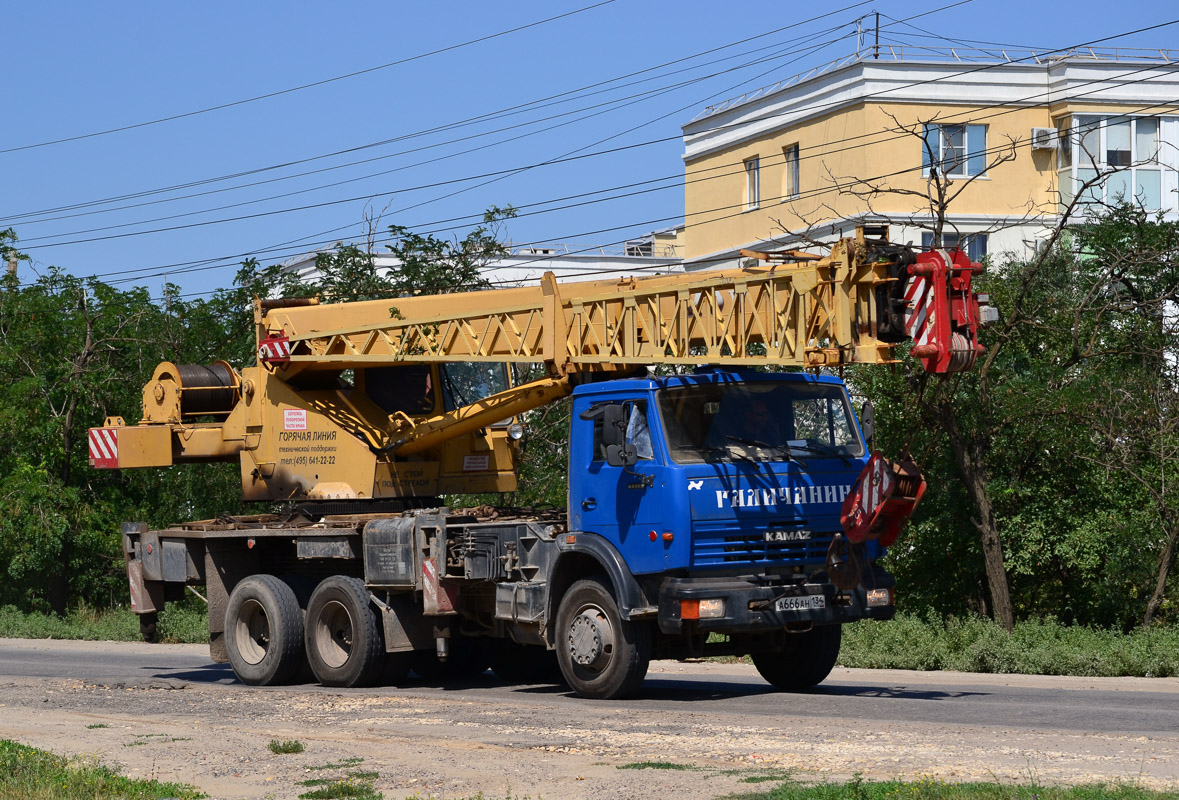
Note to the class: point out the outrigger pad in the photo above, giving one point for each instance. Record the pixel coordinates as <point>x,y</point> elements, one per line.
<point>883,498</point>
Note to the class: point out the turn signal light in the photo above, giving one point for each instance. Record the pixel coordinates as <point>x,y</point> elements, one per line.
<point>712,608</point>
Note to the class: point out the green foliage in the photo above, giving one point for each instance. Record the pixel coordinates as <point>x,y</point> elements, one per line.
<point>1035,647</point>
<point>936,789</point>
<point>286,746</point>
<point>185,622</point>
<point>426,265</point>
<point>354,783</point>
<point>1066,427</point>
<point>432,266</point>
<point>30,774</point>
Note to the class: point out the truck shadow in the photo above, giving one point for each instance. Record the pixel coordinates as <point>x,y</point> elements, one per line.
<point>211,673</point>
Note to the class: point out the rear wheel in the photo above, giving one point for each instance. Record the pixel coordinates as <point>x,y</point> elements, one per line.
<point>263,631</point>
<point>345,642</point>
<point>805,661</point>
<point>601,655</point>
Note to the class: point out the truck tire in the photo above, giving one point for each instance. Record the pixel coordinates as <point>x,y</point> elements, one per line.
<point>805,661</point>
<point>601,655</point>
<point>345,640</point>
<point>263,631</point>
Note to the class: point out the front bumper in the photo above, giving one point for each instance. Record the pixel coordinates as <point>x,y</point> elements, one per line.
<point>751,606</point>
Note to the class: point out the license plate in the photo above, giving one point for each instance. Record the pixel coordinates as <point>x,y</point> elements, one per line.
<point>801,603</point>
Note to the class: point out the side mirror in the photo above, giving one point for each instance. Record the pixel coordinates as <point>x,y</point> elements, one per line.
<point>868,423</point>
<point>619,453</point>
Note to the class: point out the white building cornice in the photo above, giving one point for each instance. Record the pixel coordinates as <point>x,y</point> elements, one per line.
<point>1152,85</point>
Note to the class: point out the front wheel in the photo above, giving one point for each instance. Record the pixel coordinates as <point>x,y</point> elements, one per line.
<point>345,640</point>
<point>601,655</point>
<point>263,631</point>
<point>805,661</point>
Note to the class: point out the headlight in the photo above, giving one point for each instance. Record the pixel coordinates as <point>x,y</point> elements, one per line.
<point>879,597</point>
<point>516,431</point>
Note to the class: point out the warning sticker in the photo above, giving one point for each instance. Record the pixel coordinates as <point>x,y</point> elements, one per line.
<point>294,419</point>
<point>476,463</point>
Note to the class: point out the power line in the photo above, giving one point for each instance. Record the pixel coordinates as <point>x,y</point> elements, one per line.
<point>986,66</point>
<point>494,174</point>
<point>661,90</point>
<point>323,82</point>
<point>738,209</point>
<point>511,110</point>
<point>517,170</point>
<point>474,219</point>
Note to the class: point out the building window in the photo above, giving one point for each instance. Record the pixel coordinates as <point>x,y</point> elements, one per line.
<point>752,183</point>
<point>790,178</point>
<point>1117,155</point>
<point>958,151</point>
<point>975,244</point>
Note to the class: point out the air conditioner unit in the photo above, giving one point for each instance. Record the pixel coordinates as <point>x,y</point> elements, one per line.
<point>1044,138</point>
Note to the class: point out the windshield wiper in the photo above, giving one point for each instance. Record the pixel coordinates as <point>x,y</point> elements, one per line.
<point>823,449</point>
<point>783,449</point>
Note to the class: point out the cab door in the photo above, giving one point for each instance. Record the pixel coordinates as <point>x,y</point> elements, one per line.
<point>623,504</point>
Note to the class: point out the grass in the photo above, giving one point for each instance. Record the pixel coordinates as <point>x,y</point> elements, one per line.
<point>352,784</point>
<point>179,622</point>
<point>1035,647</point>
<point>655,765</point>
<point>967,644</point>
<point>932,789</point>
<point>97,725</point>
<point>285,746</point>
<point>30,774</point>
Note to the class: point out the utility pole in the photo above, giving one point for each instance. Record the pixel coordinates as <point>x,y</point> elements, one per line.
<point>876,48</point>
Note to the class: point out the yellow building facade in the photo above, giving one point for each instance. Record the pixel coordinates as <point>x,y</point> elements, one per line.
<point>810,157</point>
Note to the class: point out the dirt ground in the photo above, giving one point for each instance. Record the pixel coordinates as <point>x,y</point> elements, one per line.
<point>540,743</point>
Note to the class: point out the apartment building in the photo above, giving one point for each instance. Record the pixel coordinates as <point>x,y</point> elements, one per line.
<point>1015,136</point>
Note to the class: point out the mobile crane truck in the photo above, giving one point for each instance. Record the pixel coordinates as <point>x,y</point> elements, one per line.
<point>726,500</point>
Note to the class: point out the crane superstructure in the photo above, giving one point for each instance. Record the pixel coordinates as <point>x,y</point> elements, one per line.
<point>681,523</point>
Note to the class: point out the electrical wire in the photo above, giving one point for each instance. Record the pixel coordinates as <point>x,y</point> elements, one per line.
<point>511,110</point>
<point>292,89</point>
<point>1152,27</point>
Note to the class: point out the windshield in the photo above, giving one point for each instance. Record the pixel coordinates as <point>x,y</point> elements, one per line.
<point>467,382</point>
<point>763,420</point>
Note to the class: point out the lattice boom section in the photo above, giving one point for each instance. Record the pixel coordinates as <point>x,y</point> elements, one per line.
<point>803,316</point>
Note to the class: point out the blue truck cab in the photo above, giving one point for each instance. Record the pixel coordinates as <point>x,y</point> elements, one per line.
<point>720,519</point>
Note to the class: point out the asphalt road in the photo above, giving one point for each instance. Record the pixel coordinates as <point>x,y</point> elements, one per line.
<point>1049,703</point>
<point>718,717</point>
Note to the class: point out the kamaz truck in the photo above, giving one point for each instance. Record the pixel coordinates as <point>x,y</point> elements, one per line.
<point>723,497</point>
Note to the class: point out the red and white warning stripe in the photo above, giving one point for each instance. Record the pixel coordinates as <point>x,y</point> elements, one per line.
<point>919,302</point>
<point>104,448</point>
<point>275,349</point>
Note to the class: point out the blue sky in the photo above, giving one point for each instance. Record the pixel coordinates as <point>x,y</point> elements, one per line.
<point>78,68</point>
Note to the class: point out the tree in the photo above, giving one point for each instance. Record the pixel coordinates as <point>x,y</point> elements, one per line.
<point>1013,450</point>
<point>434,266</point>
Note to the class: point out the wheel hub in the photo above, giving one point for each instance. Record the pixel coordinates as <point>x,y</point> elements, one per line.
<point>591,640</point>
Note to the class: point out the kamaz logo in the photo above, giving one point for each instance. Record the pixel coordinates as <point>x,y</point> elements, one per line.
<point>788,536</point>
<point>770,498</point>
